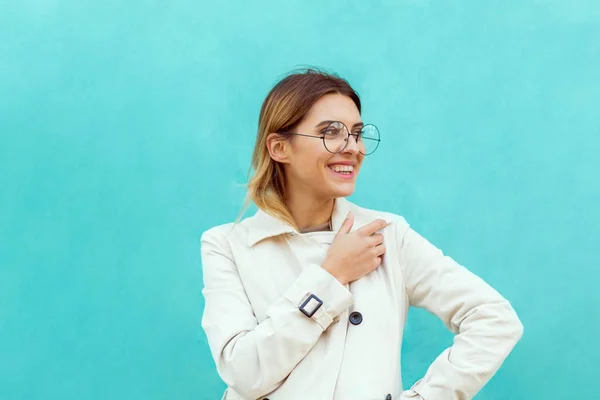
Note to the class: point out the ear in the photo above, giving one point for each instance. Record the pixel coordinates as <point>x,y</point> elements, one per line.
<point>278,147</point>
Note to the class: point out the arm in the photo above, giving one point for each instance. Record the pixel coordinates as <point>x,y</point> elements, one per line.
<point>486,326</point>
<point>253,358</point>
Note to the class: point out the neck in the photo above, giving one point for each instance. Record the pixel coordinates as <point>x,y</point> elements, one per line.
<point>309,211</point>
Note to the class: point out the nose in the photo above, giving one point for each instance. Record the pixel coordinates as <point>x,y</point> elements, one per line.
<point>352,146</point>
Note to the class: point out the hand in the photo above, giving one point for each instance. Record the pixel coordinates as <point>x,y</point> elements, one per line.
<point>353,255</point>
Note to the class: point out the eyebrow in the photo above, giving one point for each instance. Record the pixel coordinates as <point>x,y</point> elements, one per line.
<point>327,122</point>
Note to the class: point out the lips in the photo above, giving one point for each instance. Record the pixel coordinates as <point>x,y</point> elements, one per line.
<point>341,168</point>
<point>343,171</point>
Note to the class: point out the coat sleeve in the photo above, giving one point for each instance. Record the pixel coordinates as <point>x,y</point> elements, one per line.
<point>254,358</point>
<point>485,325</point>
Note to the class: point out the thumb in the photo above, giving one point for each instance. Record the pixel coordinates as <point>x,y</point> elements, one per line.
<point>346,226</point>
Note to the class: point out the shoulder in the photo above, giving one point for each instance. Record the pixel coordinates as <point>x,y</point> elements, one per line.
<point>223,234</point>
<point>216,233</point>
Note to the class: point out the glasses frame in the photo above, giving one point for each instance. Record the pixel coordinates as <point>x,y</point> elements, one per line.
<point>356,137</point>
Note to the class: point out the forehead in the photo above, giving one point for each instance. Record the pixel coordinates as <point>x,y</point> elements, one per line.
<point>334,107</point>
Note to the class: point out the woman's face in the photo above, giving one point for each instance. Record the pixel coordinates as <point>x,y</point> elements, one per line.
<point>309,167</point>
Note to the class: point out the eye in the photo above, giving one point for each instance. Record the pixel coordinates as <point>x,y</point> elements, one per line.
<point>331,132</point>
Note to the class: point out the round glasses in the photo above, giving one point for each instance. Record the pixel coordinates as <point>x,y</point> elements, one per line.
<point>336,137</point>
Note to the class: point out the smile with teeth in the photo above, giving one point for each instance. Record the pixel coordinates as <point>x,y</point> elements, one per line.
<point>342,169</point>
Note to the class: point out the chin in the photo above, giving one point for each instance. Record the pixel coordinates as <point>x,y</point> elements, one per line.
<point>343,191</point>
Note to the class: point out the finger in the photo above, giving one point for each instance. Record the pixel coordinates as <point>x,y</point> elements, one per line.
<point>379,250</point>
<point>346,225</point>
<point>378,261</point>
<point>372,227</point>
<point>375,239</point>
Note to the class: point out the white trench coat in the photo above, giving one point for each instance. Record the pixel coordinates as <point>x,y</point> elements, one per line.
<point>268,344</point>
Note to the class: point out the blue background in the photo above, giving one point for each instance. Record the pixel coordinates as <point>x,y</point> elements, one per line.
<point>127,129</point>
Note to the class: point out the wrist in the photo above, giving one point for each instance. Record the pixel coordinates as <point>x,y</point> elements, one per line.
<point>335,272</point>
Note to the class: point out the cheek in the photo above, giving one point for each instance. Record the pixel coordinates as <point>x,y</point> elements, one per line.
<point>360,160</point>
<point>314,166</point>
<point>310,158</point>
<point>311,169</point>
<point>320,160</point>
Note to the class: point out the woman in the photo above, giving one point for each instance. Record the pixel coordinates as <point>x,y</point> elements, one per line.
<point>308,298</point>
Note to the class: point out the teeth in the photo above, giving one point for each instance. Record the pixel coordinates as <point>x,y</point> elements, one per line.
<point>342,168</point>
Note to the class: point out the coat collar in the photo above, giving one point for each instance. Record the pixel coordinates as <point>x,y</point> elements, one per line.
<point>263,225</point>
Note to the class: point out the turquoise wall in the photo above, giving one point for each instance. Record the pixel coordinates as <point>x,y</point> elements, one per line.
<point>127,128</point>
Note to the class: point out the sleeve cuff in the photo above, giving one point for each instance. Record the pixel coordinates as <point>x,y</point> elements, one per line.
<point>315,280</point>
<point>421,390</point>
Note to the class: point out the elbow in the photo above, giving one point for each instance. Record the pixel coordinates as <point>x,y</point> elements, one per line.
<point>515,327</point>
<point>499,322</point>
<point>244,376</point>
<point>507,322</point>
<point>244,383</point>
<point>246,390</point>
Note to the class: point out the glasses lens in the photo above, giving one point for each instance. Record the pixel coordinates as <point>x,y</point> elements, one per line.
<point>370,139</point>
<point>335,137</point>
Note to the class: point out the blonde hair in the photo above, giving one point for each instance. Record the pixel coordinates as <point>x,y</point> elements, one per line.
<point>282,111</point>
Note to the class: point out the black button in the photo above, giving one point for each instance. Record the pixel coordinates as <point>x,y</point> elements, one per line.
<point>388,397</point>
<point>355,318</point>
